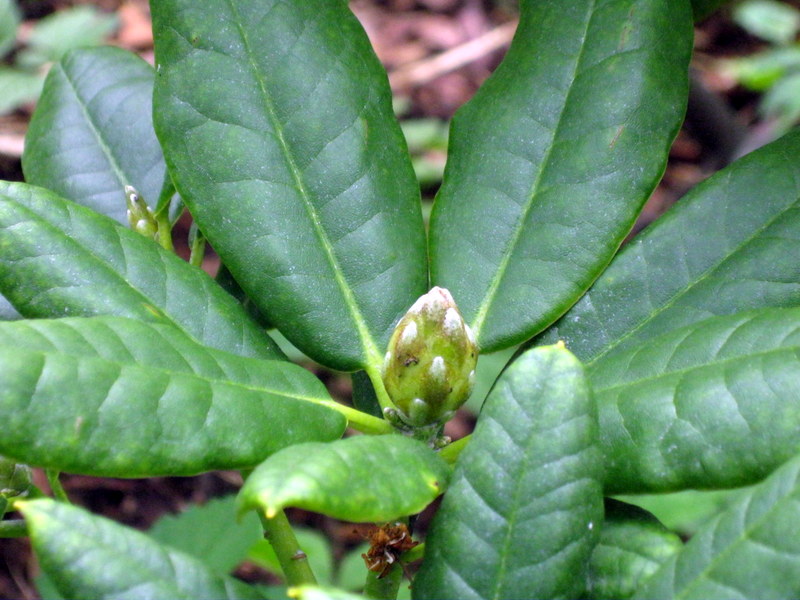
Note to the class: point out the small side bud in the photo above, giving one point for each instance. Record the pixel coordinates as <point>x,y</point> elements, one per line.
<point>15,478</point>
<point>140,217</point>
<point>429,367</point>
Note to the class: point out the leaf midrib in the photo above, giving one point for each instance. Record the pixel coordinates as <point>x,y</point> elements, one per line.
<point>118,171</point>
<point>483,309</point>
<point>59,354</point>
<point>743,536</point>
<point>373,355</point>
<point>691,285</point>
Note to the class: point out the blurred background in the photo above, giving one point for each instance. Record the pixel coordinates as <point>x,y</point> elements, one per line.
<point>745,92</point>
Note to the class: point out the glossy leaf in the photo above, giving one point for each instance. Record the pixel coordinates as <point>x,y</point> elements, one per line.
<point>711,405</point>
<point>294,166</point>
<point>552,160</point>
<point>752,550</point>
<point>361,479</point>
<point>209,533</point>
<point>633,545</point>
<point>122,398</point>
<point>91,557</point>
<point>732,244</point>
<point>525,503</point>
<point>92,131</point>
<point>61,259</point>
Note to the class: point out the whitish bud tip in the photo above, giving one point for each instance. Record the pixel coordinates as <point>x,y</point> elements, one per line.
<point>409,333</point>
<point>452,322</point>
<point>438,369</point>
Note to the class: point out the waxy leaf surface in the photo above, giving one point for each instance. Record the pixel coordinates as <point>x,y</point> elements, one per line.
<point>360,479</point>
<point>118,397</point>
<point>277,127</point>
<point>632,547</point>
<point>752,550</point>
<point>92,557</point>
<point>524,506</point>
<point>732,244</point>
<point>60,259</point>
<point>551,161</point>
<point>711,405</point>
<point>92,131</point>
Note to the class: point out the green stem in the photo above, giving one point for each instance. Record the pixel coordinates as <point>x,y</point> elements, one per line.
<point>13,528</point>
<point>374,373</point>
<point>197,245</point>
<point>164,231</point>
<point>291,557</point>
<point>416,553</point>
<point>384,588</point>
<point>55,485</point>
<point>361,421</point>
<point>451,452</point>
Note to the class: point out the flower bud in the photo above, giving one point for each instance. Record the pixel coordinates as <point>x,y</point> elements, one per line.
<point>429,368</point>
<point>15,478</point>
<point>140,217</point>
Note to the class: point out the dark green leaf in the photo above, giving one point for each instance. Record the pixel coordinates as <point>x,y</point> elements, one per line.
<point>360,479</point>
<point>711,405</point>
<point>92,131</point>
<point>752,550</point>
<point>61,259</point>
<point>210,534</point>
<point>91,557</point>
<point>553,158</point>
<point>364,398</point>
<point>632,546</point>
<point>525,503</point>
<point>7,311</point>
<point>733,243</point>
<point>294,166</point>
<point>121,398</point>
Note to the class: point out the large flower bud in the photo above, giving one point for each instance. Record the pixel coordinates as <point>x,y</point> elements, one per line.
<point>429,369</point>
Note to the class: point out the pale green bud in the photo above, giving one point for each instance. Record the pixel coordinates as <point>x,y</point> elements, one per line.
<point>15,478</point>
<point>429,368</point>
<point>140,217</point>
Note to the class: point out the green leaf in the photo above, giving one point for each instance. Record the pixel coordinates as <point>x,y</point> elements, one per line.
<point>295,148</point>
<point>752,550</point>
<point>209,533</point>
<point>17,88</point>
<point>525,502</point>
<point>91,557</point>
<point>9,21</point>
<point>7,311</point>
<point>730,245</point>
<point>708,406</point>
<point>633,545</point>
<point>360,479</point>
<point>773,21</point>
<point>65,30</point>
<point>552,160</point>
<point>61,259</point>
<point>92,131</point>
<point>121,398</point>
<point>684,512</point>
